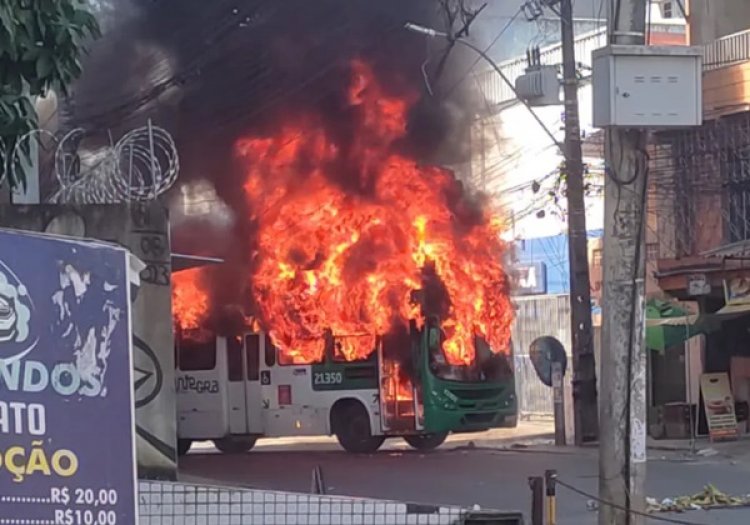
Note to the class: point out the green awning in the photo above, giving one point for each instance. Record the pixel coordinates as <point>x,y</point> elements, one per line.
<point>668,325</point>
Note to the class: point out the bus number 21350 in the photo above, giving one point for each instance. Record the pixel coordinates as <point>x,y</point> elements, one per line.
<point>328,378</point>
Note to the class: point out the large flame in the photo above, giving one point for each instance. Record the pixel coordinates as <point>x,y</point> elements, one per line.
<point>189,299</point>
<point>346,257</point>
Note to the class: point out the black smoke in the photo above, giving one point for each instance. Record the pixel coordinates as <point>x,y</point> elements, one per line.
<point>212,71</point>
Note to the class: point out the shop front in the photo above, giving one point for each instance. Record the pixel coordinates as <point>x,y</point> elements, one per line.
<point>699,349</point>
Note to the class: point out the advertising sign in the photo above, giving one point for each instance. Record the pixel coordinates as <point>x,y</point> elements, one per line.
<point>719,404</point>
<point>737,291</point>
<point>67,454</point>
<point>529,279</point>
<point>698,284</point>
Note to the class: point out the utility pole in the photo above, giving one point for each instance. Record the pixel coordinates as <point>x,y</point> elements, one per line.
<point>585,407</point>
<point>622,445</point>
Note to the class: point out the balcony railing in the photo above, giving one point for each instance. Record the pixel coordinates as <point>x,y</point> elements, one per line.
<point>727,51</point>
<point>497,92</point>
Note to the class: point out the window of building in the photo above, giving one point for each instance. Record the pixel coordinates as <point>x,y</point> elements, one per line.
<point>596,258</point>
<point>739,213</point>
<point>197,353</point>
<point>735,171</point>
<point>668,10</point>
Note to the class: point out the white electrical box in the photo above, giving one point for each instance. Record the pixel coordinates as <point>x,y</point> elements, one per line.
<point>647,86</point>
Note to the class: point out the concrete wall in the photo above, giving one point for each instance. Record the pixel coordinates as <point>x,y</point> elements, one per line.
<point>712,19</point>
<point>143,229</point>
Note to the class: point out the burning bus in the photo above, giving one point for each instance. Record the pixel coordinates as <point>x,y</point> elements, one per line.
<point>235,389</point>
<point>377,302</point>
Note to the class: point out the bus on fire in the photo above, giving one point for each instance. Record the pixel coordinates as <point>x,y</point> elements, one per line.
<point>234,390</point>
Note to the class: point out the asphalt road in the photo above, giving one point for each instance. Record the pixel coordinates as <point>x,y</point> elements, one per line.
<point>459,475</point>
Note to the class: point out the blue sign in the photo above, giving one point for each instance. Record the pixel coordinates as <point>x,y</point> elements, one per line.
<point>67,446</point>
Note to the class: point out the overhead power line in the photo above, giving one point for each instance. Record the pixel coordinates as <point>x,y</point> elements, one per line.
<point>486,50</point>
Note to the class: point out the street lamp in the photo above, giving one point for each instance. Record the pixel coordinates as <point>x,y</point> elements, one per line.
<point>433,33</point>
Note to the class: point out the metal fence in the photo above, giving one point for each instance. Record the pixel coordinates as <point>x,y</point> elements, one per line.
<point>163,503</point>
<point>537,316</point>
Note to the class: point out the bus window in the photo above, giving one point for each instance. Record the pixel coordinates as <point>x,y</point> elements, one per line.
<point>252,348</point>
<point>197,354</point>
<point>234,358</point>
<point>347,349</point>
<point>435,342</point>
<point>493,366</point>
<point>270,353</point>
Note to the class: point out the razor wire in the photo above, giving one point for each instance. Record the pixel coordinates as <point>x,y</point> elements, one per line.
<point>140,166</point>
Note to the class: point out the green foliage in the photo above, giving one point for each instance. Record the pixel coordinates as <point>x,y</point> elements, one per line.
<point>41,42</point>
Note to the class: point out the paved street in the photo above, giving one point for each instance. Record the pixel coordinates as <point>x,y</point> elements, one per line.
<point>460,474</point>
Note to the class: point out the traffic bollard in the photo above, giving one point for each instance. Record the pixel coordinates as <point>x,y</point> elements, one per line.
<point>537,500</point>
<point>550,481</point>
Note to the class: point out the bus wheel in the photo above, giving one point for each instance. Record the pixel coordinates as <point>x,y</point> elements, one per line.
<point>235,445</point>
<point>510,422</point>
<point>183,446</point>
<point>353,431</point>
<point>426,441</point>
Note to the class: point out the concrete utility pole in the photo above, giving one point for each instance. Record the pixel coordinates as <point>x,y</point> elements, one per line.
<point>622,444</point>
<point>585,407</point>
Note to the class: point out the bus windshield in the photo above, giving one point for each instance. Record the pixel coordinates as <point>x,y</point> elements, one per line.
<point>488,366</point>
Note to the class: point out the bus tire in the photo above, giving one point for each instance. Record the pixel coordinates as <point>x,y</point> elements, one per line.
<point>353,431</point>
<point>235,445</point>
<point>183,446</point>
<point>510,421</point>
<point>426,442</point>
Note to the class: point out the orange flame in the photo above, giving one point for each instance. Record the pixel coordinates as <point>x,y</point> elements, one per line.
<point>347,261</point>
<point>401,388</point>
<point>189,299</point>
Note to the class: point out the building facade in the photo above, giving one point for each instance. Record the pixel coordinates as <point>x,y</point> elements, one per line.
<point>711,20</point>
<point>700,194</point>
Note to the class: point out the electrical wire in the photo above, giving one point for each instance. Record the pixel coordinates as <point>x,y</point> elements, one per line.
<point>601,501</point>
<point>681,6</point>
<point>601,9</point>
<point>229,114</point>
<point>215,34</point>
<point>468,71</point>
<point>332,65</point>
<point>194,69</point>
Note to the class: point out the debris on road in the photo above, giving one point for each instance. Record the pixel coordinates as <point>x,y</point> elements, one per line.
<point>709,498</point>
